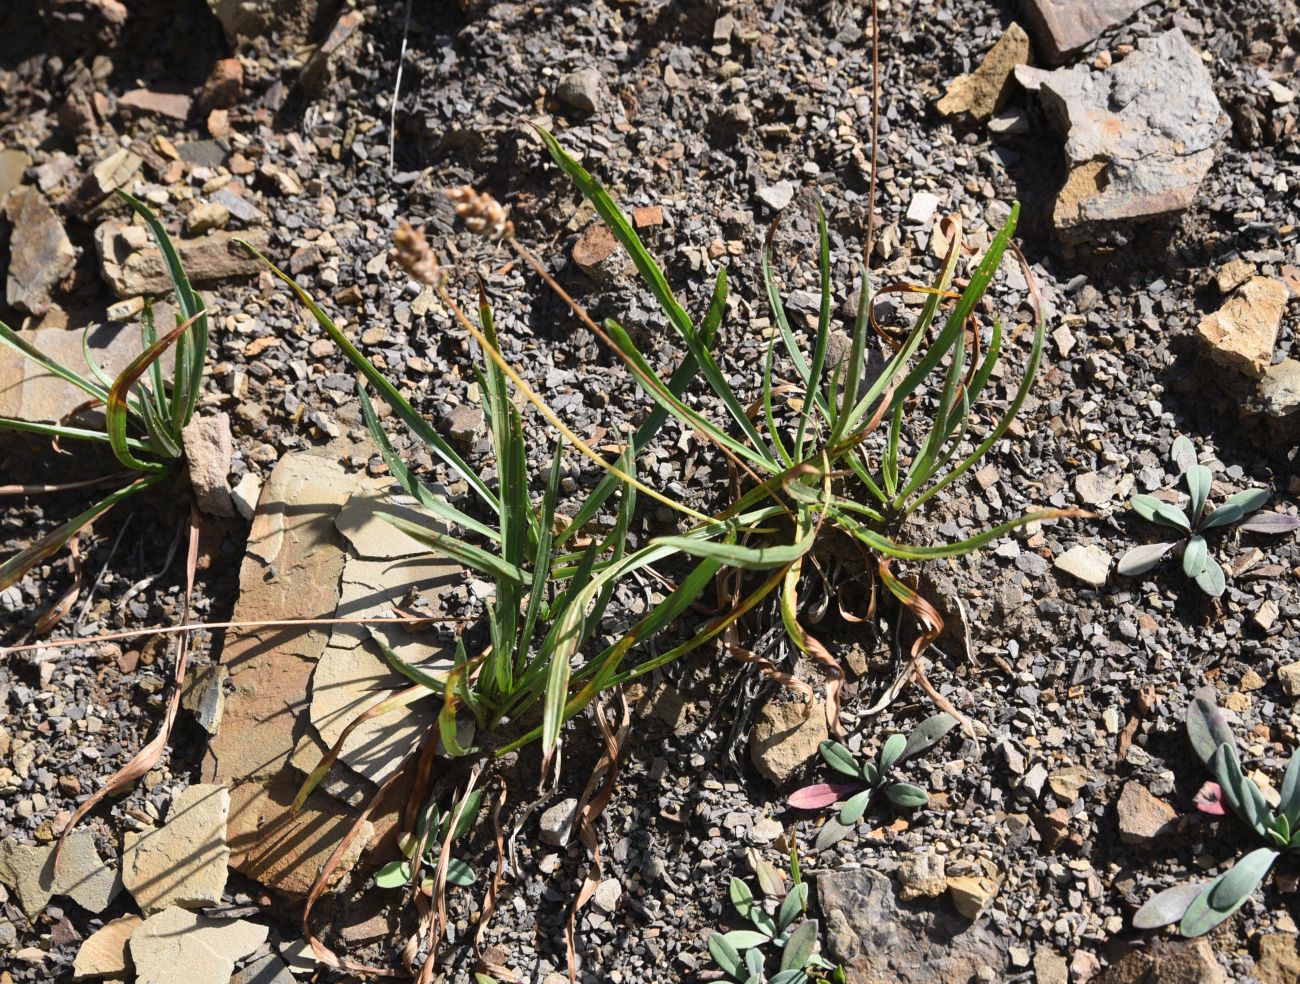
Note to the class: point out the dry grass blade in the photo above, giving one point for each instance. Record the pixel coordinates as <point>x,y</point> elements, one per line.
<point>148,756</point>
<point>490,900</point>
<point>56,612</point>
<point>814,648</point>
<point>591,804</point>
<point>88,483</point>
<point>439,920</point>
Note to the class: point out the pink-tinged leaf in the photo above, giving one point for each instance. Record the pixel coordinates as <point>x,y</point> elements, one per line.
<point>820,796</point>
<point>1272,522</point>
<point>1209,800</point>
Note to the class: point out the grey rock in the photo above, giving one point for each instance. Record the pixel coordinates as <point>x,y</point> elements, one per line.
<point>584,90</point>
<point>1139,137</point>
<point>879,938</point>
<point>205,695</point>
<point>776,196</point>
<point>1279,389</point>
<point>557,822</point>
<point>1062,27</point>
<point>40,253</point>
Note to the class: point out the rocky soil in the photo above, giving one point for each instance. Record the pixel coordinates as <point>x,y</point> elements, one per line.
<point>1155,149</point>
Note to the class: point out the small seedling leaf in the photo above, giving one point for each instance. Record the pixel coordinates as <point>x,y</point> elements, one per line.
<point>893,750</point>
<point>1272,523</point>
<point>770,881</point>
<point>725,955</point>
<point>1237,883</point>
<point>1198,478</point>
<point>746,939</point>
<point>905,794</point>
<point>1153,509</point>
<point>1167,907</point>
<point>800,946</point>
<point>1183,453</point>
<point>796,976</point>
<point>831,833</point>
<point>927,734</point>
<point>1211,580</point>
<point>792,906</point>
<point>741,898</point>
<point>1207,729</point>
<point>395,874</point>
<point>855,807</point>
<point>820,795</point>
<point>839,758</point>
<point>1195,555</point>
<point>460,873</point>
<point>1141,559</point>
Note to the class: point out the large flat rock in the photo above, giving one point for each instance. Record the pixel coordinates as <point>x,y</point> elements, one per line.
<point>1139,136</point>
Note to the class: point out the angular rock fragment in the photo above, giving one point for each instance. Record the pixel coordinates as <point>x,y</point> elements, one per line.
<point>82,876</point>
<point>209,449</point>
<point>984,90</point>
<point>1279,389</point>
<point>785,736</point>
<point>106,952</point>
<point>178,945</point>
<point>1062,27</point>
<point>1240,335</point>
<point>132,268</point>
<point>1143,817</point>
<point>584,90</point>
<point>184,861</point>
<point>40,253</point>
<point>13,165</point>
<point>28,392</point>
<point>1139,137</point>
<point>158,102</point>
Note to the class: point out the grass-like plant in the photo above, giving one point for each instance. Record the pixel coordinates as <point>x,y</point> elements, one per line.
<point>1196,522</point>
<point>781,932</point>
<point>815,463</point>
<point>143,416</point>
<point>872,778</point>
<point>1198,907</point>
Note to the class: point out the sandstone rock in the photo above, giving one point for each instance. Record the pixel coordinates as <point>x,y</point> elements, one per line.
<point>105,953</point>
<point>984,90</point>
<point>176,944</point>
<point>1095,489</point>
<point>1067,783</point>
<point>206,217</point>
<point>118,170</point>
<point>40,253</point>
<point>184,861</point>
<point>1279,389</point>
<point>785,736</point>
<point>13,166</point>
<point>598,253</point>
<point>1090,564</point>
<point>293,563</point>
<point>132,270</point>
<point>158,102</point>
<point>209,448</point>
<point>1050,967</point>
<point>1142,816</point>
<point>922,876</point>
<point>971,893</point>
<point>1240,335</point>
<point>82,876</point>
<point>556,823</point>
<point>1169,962</point>
<point>28,392</point>
<point>246,493</point>
<point>1139,137</point>
<point>1233,274</point>
<point>1289,677</point>
<point>879,939</point>
<point>1062,27</point>
<point>224,85</point>
<point>584,90</point>
<point>465,423</point>
<point>1279,959</point>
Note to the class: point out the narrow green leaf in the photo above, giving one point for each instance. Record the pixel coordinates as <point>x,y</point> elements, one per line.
<point>907,795</point>
<point>800,947</point>
<point>1211,580</point>
<point>1195,555</point>
<point>1198,479</point>
<point>839,758</point>
<point>894,747</point>
<point>1153,509</point>
<point>395,874</point>
<point>927,734</point>
<point>725,955</point>
<point>851,812</point>
<point>1207,729</point>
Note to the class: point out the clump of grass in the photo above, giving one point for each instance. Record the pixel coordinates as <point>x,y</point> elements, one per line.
<point>823,465</point>
<point>143,416</point>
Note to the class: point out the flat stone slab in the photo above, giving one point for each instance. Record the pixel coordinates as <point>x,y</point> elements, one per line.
<point>132,265</point>
<point>1139,136</point>
<point>177,945</point>
<point>106,952</point>
<point>40,253</point>
<point>293,568</point>
<point>184,861</point>
<point>83,876</point>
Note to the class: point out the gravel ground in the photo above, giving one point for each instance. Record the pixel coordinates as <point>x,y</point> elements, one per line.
<point>1081,688</point>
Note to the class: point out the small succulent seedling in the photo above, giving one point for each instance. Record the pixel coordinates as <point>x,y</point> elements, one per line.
<point>780,922</point>
<point>1197,562</point>
<point>877,775</point>
<point>428,839</point>
<point>1198,907</point>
